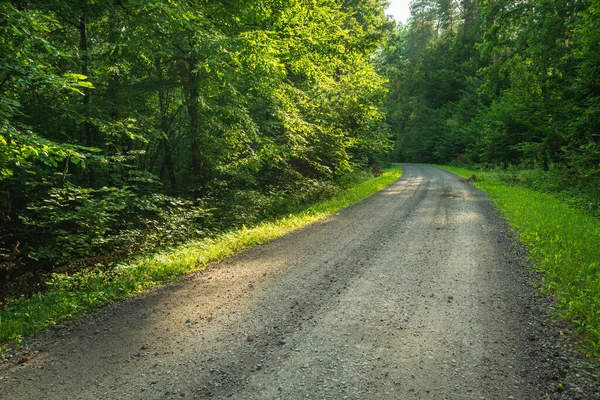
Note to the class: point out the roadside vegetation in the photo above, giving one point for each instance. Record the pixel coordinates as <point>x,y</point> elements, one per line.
<point>71,296</point>
<point>563,240</point>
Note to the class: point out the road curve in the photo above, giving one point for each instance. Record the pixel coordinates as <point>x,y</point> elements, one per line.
<point>416,293</point>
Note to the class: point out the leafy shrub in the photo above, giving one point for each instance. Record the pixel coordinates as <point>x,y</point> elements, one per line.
<point>242,207</point>
<point>73,223</point>
<point>73,228</point>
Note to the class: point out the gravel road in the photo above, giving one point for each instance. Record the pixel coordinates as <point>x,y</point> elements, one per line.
<point>419,292</point>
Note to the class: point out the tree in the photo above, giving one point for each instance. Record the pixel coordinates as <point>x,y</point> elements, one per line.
<point>124,122</point>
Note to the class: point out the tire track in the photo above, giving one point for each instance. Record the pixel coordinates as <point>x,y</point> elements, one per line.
<point>415,293</point>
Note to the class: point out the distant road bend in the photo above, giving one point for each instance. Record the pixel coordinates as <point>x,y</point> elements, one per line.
<point>415,293</point>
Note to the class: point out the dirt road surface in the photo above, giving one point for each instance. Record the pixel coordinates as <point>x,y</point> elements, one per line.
<point>416,293</point>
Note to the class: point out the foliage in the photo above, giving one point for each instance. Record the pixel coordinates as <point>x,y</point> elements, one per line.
<point>497,82</point>
<point>130,125</point>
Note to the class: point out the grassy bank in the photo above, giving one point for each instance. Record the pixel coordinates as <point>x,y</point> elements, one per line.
<point>563,241</point>
<point>73,296</point>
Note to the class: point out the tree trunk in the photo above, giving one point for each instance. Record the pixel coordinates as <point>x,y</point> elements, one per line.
<point>168,165</point>
<point>85,61</point>
<point>83,47</point>
<point>193,106</point>
<point>164,127</point>
<point>495,53</point>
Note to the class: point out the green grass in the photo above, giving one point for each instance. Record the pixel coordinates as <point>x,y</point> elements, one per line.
<point>73,296</point>
<point>564,243</point>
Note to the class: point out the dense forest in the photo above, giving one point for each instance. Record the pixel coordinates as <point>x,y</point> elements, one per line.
<point>510,84</point>
<point>126,125</point>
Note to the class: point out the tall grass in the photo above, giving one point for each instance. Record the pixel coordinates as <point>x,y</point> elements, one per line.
<point>564,242</point>
<point>73,296</point>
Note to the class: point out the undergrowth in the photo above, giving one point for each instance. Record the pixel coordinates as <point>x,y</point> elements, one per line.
<point>574,187</point>
<point>563,241</point>
<point>72,296</point>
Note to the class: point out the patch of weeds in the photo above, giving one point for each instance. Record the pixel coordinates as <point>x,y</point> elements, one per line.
<point>72,296</point>
<point>563,241</point>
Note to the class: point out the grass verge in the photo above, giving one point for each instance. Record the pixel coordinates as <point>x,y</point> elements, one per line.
<point>73,296</point>
<point>564,243</point>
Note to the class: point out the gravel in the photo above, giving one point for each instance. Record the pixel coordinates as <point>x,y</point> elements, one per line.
<point>419,292</point>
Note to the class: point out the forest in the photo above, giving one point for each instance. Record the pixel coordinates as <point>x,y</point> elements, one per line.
<point>130,125</point>
<point>511,85</point>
